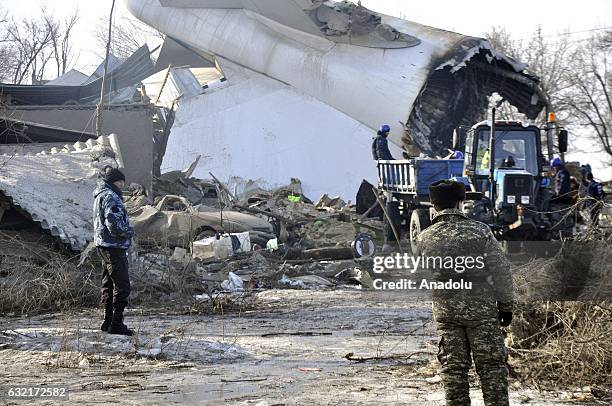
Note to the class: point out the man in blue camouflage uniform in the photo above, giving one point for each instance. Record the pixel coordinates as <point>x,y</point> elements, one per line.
<point>596,196</point>
<point>113,237</point>
<point>468,321</point>
<point>381,152</point>
<point>380,146</point>
<point>563,186</point>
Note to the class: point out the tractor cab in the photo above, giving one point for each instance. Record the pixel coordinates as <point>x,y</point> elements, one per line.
<point>509,168</point>
<point>517,156</point>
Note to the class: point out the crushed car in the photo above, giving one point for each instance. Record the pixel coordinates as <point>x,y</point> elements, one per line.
<point>175,222</point>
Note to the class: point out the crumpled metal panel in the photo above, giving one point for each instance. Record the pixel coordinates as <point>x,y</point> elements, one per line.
<point>342,22</point>
<point>130,72</point>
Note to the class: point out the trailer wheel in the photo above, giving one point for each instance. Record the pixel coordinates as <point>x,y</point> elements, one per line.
<point>512,247</point>
<point>419,221</point>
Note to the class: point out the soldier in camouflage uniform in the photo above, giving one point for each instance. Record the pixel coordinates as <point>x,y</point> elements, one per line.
<point>468,321</point>
<point>113,237</point>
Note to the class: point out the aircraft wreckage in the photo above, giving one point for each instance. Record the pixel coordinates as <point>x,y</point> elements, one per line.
<point>310,81</point>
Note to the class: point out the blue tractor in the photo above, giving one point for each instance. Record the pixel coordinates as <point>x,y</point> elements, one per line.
<point>510,167</point>
<point>507,172</point>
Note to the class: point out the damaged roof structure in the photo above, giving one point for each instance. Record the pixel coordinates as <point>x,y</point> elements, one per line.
<point>48,134</point>
<point>310,81</point>
<point>55,187</point>
<point>35,118</point>
<point>121,75</point>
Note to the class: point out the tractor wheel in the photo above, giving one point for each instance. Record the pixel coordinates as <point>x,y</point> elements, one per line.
<point>475,210</point>
<point>419,221</point>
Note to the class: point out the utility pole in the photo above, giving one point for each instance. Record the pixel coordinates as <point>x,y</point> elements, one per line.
<point>100,103</point>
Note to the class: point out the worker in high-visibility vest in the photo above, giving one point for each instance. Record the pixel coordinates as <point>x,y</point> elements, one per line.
<point>483,161</point>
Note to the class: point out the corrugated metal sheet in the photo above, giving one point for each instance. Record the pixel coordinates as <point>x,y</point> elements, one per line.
<point>71,78</point>
<point>55,187</point>
<point>113,63</point>
<point>133,70</point>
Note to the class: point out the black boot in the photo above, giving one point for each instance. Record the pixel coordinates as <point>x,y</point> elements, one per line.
<point>117,326</point>
<point>108,317</point>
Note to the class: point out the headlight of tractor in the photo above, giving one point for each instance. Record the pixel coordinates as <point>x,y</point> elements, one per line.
<point>525,199</point>
<point>511,199</point>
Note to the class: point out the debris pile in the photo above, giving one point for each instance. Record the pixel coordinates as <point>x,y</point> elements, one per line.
<point>198,242</point>
<point>287,241</point>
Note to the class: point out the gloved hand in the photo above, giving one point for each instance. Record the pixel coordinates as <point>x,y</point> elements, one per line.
<point>505,318</point>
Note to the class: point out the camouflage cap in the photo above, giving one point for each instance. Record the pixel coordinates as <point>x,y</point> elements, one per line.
<point>446,193</point>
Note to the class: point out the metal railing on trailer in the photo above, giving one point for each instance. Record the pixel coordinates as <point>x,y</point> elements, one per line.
<point>413,176</point>
<point>395,176</point>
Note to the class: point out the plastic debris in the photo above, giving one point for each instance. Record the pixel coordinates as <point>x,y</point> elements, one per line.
<point>233,283</point>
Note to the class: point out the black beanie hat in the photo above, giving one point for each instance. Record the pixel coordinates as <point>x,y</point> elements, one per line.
<point>446,193</point>
<point>112,175</point>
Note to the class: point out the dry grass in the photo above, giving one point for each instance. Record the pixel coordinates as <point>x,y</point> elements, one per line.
<point>56,285</point>
<point>563,343</point>
<point>562,332</point>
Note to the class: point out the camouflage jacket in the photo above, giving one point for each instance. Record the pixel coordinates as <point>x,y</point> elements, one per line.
<point>112,228</point>
<point>454,235</point>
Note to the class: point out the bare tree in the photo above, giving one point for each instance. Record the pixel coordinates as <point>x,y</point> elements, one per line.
<point>61,39</point>
<point>129,34</point>
<point>590,78</point>
<point>27,46</point>
<point>27,39</point>
<point>4,47</point>
<point>3,20</point>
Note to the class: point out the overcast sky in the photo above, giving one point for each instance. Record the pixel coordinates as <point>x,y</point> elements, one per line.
<point>470,17</point>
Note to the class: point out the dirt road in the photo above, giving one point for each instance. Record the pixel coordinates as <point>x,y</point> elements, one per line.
<point>290,349</point>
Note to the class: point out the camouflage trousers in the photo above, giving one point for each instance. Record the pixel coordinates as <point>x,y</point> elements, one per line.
<point>483,341</point>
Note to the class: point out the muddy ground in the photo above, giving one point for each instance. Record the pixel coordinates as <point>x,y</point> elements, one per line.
<point>288,349</point>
